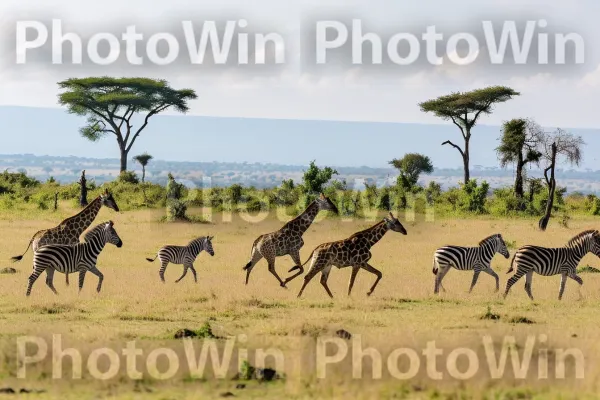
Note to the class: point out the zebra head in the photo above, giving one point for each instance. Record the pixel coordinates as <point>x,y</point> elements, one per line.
<point>393,224</point>
<point>208,245</point>
<point>108,200</point>
<point>325,204</point>
<point>111,235</point>
<point>501,246</point>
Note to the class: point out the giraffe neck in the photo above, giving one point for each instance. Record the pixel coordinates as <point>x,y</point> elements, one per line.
<point>375,233</point>
<point>81,221</point>
<point>304,220</point>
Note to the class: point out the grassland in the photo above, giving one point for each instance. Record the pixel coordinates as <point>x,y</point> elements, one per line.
<point>402,312</point>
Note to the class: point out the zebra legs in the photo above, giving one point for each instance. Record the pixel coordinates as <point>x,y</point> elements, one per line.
<point>161,273</point>
<point>32,278</point>
<point>438,279</point>
<point>577,279</point>
<point>50,279</point>
<point>185,270</point>
<point>100,276</point>
<point>513,279</point>
<point>474,281</point>
<point>563,283</point>
<point>488,271</point>
<point>528,279</point>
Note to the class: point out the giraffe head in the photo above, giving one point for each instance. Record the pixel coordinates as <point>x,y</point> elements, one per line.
<point>108,200</point>
<point>393,224</point>
<point>208,245</point>
<point>325,204</point>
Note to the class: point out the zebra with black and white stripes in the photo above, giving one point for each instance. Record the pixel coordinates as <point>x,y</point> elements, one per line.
<point>476,259</point>
<point>185,255</point>
<point>80,257</point>
<point>553,261</point>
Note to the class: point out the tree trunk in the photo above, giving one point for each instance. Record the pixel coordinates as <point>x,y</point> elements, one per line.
<point>123,160</point>
<point>143,174</point>
<point>83,187</point>
<point>466,158</point>
<point>543,224</point>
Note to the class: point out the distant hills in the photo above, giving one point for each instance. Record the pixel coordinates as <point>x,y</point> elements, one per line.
<point>210,174</point>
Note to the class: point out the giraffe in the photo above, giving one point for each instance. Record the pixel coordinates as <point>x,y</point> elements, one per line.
<point>69,230</point>
<point>354,252</point>
<point>287,240</point>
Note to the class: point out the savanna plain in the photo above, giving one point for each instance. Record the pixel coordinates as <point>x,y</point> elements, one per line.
<point>134,305</point>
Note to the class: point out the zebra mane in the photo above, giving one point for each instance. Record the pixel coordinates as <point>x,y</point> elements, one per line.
<point>575,239</point>
<point>487,239</point>
<point>94,231</point>
<point>198,239</point>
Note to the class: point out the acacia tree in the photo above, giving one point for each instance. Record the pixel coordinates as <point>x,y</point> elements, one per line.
<point>411,166</point>
<point>519,146</point>
<point>464,110</point>
<point>143,160</point>
<point>556,147</point>
<point>110,104</point>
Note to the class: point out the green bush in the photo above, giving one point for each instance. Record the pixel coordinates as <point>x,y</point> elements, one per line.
<point>128,177</point>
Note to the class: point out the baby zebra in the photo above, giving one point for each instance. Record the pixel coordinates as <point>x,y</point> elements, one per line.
<point>185,255</point>
<point>477,259</point>
<point>80,257</point>
<point>553,261</point>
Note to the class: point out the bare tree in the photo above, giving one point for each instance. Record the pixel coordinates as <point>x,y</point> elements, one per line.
<point>557,147</point>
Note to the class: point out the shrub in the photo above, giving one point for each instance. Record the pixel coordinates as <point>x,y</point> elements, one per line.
<point>128,177</point>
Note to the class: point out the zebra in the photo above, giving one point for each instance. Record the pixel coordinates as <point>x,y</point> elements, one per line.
<point>553,261</point>
<point>477,259</point>
<point>185,255</point>
<point>80,257</point>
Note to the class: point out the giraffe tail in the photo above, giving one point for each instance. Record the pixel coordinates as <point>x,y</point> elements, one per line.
<point>19,258</point>
<point>251,254</point>
<point>512,264</point>
<point>295,267</point>
<point>152,259</point>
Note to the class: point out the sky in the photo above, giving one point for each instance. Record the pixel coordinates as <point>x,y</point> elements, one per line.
<point>555,96</point>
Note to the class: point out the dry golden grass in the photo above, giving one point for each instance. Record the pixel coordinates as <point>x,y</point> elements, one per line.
<point>135,305</point>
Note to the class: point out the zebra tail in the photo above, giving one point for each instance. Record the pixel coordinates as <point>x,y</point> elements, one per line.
<point>295,267</point>
<point>19,258</point>
<point>152,259</point>
<point>511,264</point>
<point>435,266</point>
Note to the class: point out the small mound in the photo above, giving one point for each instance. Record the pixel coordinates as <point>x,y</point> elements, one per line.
<point>7,271</point>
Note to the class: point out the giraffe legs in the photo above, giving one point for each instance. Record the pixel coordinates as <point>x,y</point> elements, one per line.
<point>271,262</point>
<point>50,279</point>
<point>316,267</point>
<point>352,278</point>
<point>374,271</point>
<point>324,277</point>
<point>298,265</point>
<point>256,257</point>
